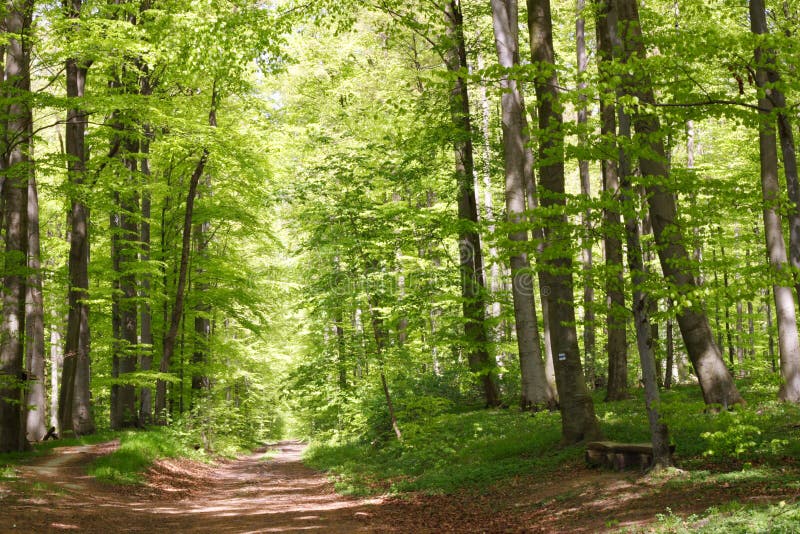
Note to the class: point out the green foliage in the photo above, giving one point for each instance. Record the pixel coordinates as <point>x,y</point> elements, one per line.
<point>450,451</point>
<point>139,449</point>
<point>734,517</point>
<point>447,452</point>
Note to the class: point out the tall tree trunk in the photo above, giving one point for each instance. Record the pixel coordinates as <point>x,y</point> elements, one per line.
<point>34,322</point>
<point>535,392</point>
<point>774,94</point>
<point>124,253</point>
<point>727,313</point>
<point>586,192</point>
<point>578,420</point>
<point>16,146</point>
<point>788,343</point>
<point>659,433</point>
<point>494,270</point>
<point>670,367</point>
<point>616,318</point>
<point>75,413</point>
<point>180,287</point>
<point>146,314</point>
<point>470,255</point>
<point>770,336</point>
<point>380,346</point>
<point>716,382</point>
<point>56,365</point>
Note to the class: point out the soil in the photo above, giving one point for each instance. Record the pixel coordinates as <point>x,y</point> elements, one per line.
<point>272,491</point>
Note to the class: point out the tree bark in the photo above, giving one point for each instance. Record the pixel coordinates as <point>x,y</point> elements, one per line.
<point>616,318</point>
<point>180,287</point>
<point>586,192</point>
<point>716,382</point>
<point>75,411</point>
<point>578,420</point>
<point>146,314</point>
<point>788,343</point>
<point>473,289</point>
<point>16,148</point>
<point>34,322</point>
<point>659,433</point>
<point>202,318</point>
<point>670,367</point>
<point>535,392</point>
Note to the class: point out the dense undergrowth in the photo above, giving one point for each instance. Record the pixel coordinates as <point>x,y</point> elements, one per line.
<point>449,451</point>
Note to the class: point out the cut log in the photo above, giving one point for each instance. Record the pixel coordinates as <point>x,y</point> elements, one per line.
<point>621,456</point>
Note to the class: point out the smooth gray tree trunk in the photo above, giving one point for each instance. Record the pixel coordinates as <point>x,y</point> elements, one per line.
<point>716,382</point>
<point>535,391</point>
<point>788,342</point>
<point>586,192</point>
<point>659,433</point>
<point>34,323</point>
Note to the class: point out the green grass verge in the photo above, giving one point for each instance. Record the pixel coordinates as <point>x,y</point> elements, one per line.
<point>138,450</point>
<point>734,517</point>
<point>451,451</point>
<point>447,452</point>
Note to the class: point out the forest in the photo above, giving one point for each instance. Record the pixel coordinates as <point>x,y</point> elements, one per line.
<point>432,254</point>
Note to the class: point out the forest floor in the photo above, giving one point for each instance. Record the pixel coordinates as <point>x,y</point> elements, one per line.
<point>272,491</point>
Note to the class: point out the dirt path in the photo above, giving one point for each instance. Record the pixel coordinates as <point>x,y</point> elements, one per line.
<point>254,493</point>
<point>262,493</point>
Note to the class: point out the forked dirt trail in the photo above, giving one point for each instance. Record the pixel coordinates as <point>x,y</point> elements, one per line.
<point>251,494</point>
<point>261,493</point>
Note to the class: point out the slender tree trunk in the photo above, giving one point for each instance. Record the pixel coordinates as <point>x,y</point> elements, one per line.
<point>670,348</point>
<point>659,434</point>
<point>578,421</point>
<point>770,336</point>
<point>788,343</point>
<point>617,342</point>
<point>586,192</point>
<point>726,285</point>
<point>717,319</point>
<point>535,392</point>
<point>75,413</point>
<point>34,322</point>
<point>56,364</point>
<point>766,61</point>
<point>494,270</point>
<point>16,147</point>
<point>146,313</point>
<point>470,255</point>
<point>537,235</point>
<point>716,381</point>
<point>124,253</point>
<point>180,287</point>
<point>380,346</point>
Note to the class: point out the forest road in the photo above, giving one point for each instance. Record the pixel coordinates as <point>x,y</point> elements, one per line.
<point>272,491</point>
<point>269,491</point>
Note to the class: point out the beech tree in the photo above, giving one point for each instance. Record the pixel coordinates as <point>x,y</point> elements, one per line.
<point>16,172</point>
<point>578,420</point>
<point>715,379</point>
<point>535,390</point>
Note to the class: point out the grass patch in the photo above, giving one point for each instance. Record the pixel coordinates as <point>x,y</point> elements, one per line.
<point>447,452</point>
<point>777,518</point>
<point>138,450</point>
